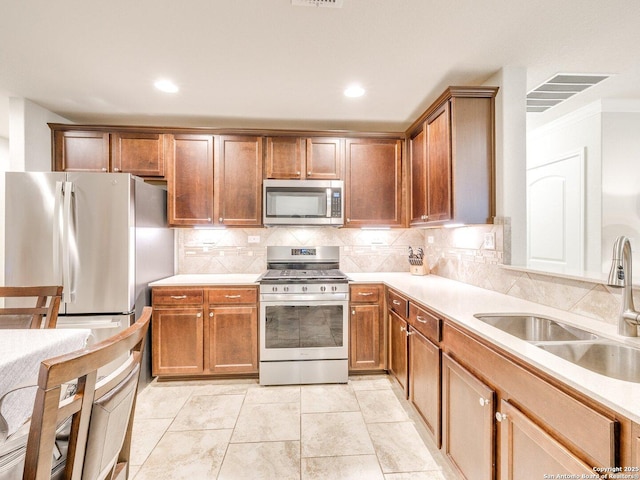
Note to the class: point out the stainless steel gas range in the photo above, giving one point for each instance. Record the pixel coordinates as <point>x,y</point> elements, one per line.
<point>304,324</point>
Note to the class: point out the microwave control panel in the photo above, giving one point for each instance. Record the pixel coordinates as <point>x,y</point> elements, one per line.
<point>336,203</point>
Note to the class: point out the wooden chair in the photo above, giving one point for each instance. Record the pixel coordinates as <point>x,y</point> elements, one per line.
<point>101,411</point>
<point>47,306</point>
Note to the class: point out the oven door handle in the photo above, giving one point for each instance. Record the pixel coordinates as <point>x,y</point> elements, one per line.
<point>298,299</point>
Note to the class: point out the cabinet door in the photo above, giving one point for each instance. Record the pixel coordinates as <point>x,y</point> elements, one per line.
<point>366,338</point>
<point>398,349</point>
<point>177,341</point>
<point>373,173</point>
<point>424,381</point>
<point>233,339</point>
<point>284,157</point>
<point>468,437</point>
<point>76,151</point>
<point>190,179</point>
<point>528,451</point>
<point>238,177</point>
<point>324,158</point>
<point>438,138</point>
<point>418,154</point>
<point>138,153</point>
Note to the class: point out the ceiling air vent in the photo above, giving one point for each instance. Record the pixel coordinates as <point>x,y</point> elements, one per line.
<point>559,88</point>
<point>317,3</point>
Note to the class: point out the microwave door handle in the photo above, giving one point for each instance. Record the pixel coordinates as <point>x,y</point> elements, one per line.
<point>328,203</point>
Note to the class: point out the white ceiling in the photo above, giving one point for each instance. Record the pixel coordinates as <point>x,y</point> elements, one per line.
<point>268,64</point>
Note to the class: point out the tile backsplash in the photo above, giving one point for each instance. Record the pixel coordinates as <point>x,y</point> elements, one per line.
<point>472,255</point>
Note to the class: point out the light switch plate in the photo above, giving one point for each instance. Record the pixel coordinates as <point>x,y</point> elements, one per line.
<point>489,241</point>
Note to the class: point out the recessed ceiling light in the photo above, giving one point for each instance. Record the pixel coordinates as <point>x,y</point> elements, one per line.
<point>166,86</point>
<point>354,91</point>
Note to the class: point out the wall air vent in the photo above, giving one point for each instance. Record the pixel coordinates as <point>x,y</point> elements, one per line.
<point>317,3</point>
<point>559,88</point>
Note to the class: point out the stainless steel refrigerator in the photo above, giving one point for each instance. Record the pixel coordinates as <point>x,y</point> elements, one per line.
<point>103,236</point>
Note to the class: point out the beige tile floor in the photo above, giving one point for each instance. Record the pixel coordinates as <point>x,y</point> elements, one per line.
<point>239,430</point>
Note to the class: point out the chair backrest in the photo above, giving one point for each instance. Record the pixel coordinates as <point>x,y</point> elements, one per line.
<point>47,305</point>
<point>101,411</point>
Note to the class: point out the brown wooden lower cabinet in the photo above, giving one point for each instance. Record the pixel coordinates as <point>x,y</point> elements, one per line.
<point>424,382</point>
<point>186,342</point>
<point>366,329</point>
<point>233,339</point>
<point>528,451</point>
<point>398,349</point>
<point>468,436</point>
<point>177,341</point>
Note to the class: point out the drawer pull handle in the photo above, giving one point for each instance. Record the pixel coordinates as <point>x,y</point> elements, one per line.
<point>365,294</point>
<point>396,302</point>
<point>178,297</point>
<point>421,319</point>
<point>232,296</point>
<point>484,401</point>
<point>501,416</point>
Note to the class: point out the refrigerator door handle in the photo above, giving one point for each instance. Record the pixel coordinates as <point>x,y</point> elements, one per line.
<point>58,227</point>
<point>69,245</point>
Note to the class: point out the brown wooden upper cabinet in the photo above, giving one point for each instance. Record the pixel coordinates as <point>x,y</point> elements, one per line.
<point>373,182</point>
<point>451,150</point>
<point>190,179</point>
<point>80,151</point>
<point>139,153</point>
<point>225,190</point>
<point>313,158</point>
<point>238,181</point>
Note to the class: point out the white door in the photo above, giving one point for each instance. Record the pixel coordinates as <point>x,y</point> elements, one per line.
<point>555,214</point>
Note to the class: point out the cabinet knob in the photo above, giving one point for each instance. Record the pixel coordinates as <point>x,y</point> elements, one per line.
<point>348,220</point>
<point>211,314</point>
<point>297,173</point>
<point>198,315</point>
<point>116,169</point>
<point>104,169</point>
<point>409,333</point>
<point>208,219</point>
<point>402,329</point>
<point>501,416</point>
<point>484,401</point>
<point>353,312</point>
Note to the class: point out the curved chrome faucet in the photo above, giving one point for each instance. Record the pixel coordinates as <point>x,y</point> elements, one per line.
<point>620,276</point>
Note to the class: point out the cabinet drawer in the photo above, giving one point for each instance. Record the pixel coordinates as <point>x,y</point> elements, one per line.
<point>364,293</point>
<point>233,295</point>
<point>426,323</point>
<point>178,296</point>
<point>398,304</point>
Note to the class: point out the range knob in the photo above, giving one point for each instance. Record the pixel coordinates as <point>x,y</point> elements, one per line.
<point>323,288</point>
<point>304,289</point>
<point>274,289</point>
<point>334,288</point>
<point>286,289</point>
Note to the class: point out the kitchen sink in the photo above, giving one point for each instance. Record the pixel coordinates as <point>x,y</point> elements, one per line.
<point>611,359</point>
<point>534,328</point>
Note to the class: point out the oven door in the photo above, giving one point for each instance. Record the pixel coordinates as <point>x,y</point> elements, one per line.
<point>304,330</point>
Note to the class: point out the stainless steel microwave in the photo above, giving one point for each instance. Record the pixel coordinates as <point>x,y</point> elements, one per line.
<point>303,202</point>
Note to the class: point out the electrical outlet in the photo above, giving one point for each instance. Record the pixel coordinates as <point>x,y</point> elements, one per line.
<point>489,241</point>
<point>430,239</point>
<point>253,239</point>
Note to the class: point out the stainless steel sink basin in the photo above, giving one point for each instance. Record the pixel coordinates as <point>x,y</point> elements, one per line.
<point>611,359</point>
<point>533,328</point>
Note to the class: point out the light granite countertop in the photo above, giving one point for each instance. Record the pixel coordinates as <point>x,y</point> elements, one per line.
<point>459,302</point>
